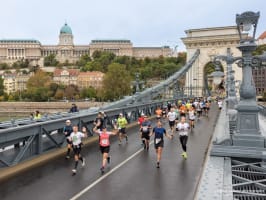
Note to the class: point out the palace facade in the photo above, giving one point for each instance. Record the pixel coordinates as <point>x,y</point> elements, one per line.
<point>12,50</point>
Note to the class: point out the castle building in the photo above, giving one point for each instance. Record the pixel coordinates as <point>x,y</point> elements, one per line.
<point>66,76</point>
<point>12,50</point>
<point>90,79</point>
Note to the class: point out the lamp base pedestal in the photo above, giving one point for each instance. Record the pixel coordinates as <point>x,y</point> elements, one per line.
<point>248,130</point>
<point>248,140</point>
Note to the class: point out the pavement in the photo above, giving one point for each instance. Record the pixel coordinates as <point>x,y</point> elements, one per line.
<point>132,173</point>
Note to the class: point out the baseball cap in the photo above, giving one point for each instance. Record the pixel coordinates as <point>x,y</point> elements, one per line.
<point>68,121</point>
<point>121,114</point>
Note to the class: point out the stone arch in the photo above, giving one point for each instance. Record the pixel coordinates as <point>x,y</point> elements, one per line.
<point>211,42</point>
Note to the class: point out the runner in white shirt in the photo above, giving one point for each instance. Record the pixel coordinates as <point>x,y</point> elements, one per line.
<point>104,143</point>
<point>183,127</point>
<point>191,117</point>
<point>75,138</point>
<point>172,118</point>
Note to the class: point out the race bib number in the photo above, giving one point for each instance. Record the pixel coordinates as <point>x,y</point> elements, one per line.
<point>157,140</point>
<point>104,142</point>
<point>75,139</point>
<point>145,128</point>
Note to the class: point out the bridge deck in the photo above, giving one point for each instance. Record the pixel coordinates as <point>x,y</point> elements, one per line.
<point>131,175</point>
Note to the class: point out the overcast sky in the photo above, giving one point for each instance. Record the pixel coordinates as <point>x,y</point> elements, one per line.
<point>144,22</point>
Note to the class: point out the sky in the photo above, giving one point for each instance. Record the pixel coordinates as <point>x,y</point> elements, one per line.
<point>145,22</point>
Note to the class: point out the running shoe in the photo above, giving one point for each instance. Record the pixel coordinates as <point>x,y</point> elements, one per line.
<point>126,139</point>
<point>119,143</point>
<point>108,160</point>
<point>67,157</point>
<point>74,171</point>
<point>184,154</point>
<point>102,170</point>
<point>83,162</point>
<point>158,165</point>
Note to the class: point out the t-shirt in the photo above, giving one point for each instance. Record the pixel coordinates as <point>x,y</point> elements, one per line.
<point>191,114</point>
<point>158,112</point>
<point>104,138</point>
<point>188,105</point>
<point>171,116</point>
<point>68,130</point>
<point>99,123</point>
<point>158,134</point>
<point>145,126</point>
<point>76,137</point>
<point>182,128</point>
<point>140,120</point>
<point>122,122</point>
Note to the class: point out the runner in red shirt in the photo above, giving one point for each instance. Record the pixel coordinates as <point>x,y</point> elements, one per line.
<point>104,142</point>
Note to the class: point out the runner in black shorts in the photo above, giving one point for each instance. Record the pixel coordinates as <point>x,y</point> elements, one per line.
<point>159,133</point>
<point>75,137</point>
<point>145,132</point>
<point>104,143</point>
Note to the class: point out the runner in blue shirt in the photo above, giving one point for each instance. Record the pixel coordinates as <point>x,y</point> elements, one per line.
<point>159,133</point>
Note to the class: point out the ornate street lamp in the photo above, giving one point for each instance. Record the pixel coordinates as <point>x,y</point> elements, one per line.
<point>230,84</point>
<point>248,130</point>
<point>217,75</point>
<point>247,25</point>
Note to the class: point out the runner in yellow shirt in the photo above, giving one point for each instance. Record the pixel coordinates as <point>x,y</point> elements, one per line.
<point>121,123</point>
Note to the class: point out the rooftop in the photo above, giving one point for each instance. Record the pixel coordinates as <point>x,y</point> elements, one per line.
<point>110,41</point>
<point>66,29</point>
<point>262,36</point>
<point>19,41</point>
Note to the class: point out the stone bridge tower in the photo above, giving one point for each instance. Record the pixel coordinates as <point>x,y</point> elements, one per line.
<point>211,42</point>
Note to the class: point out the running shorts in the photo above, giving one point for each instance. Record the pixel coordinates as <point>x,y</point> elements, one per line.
<point>104,149</point>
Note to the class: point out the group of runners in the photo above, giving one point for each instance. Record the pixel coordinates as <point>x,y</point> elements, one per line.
<point>177,115</point>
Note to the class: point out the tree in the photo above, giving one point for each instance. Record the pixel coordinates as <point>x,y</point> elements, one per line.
<point>116,82</point>
<point>38,86</point>
<point>84,59</point>
<point>50,60</point>
<point>39,79</point>
<point>88,92</point>
<point>71,91</point>
<point>59,94</point>
<point>96,54</point>
<point>2,87</point>
<point>21,64</point>
<point>260,49</point>
<point>4,66</point>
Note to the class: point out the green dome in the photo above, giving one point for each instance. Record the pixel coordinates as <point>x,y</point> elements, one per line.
<point>66,29</point>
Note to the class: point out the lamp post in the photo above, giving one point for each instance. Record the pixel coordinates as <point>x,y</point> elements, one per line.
<point>230,85</point>
<point>247,128</point>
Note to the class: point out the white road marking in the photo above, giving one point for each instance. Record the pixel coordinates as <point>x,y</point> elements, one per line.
<point>106,175</point>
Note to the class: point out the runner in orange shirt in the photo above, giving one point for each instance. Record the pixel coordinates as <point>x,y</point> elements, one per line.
<point>158,113</point>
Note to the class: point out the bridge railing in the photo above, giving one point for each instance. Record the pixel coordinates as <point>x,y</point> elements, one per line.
<point>262,110</point>
<point>21,140</point>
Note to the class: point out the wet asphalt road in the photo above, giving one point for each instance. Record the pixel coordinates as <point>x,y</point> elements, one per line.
<point>132,174</point>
